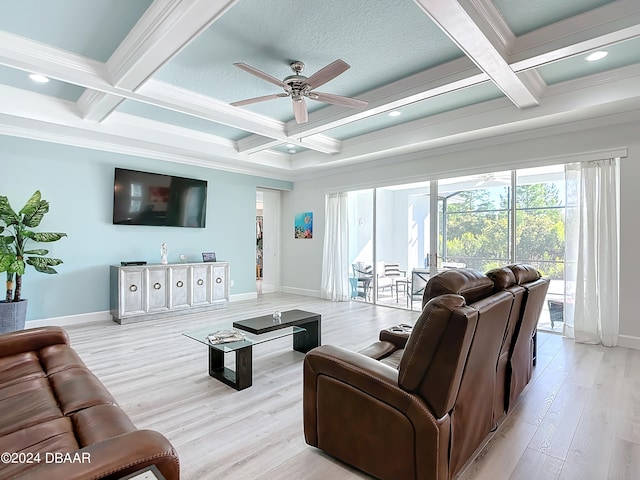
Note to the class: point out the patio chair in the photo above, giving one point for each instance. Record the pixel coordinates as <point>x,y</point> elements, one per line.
<point>361,280</point>
<point>388,275</point>
<point>419,279</point>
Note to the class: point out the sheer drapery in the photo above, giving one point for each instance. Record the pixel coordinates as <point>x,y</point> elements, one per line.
<point>591,252</point>
<point>335,256</point>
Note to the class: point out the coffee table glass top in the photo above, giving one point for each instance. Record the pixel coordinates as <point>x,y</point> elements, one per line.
<point>249,339</point>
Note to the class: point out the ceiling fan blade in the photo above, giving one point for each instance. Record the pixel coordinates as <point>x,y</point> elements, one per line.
<point>338,100</point>
<point>259,73</point>
<point>327,73</point>
<point>249,101</point>
<point>300,111</point>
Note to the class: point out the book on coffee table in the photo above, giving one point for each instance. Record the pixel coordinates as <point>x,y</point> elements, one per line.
<point>225,336</point>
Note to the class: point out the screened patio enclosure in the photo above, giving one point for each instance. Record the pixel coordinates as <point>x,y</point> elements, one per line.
<point>402,234</point>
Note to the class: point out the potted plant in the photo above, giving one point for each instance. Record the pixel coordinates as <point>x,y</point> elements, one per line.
<point>15,234</point>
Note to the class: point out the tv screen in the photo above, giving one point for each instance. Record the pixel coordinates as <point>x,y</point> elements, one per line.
<point>142,198</point>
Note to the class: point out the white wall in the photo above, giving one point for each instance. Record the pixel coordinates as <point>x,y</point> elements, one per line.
<point>302,262</point>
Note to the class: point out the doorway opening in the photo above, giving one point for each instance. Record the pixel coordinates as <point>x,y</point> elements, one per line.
<point>267,240</point>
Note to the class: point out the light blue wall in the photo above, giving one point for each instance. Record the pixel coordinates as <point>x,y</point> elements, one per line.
<point>78,183</point>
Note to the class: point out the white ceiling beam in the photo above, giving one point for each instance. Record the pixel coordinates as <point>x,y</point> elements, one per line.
<point>58,121</point>
<point>456,23</point>
<point>448,77</point>
<point>24,54</point>
<point>185,101</point>
<point>163,30</point>
<point>613,23</point>
<point>595,97</point>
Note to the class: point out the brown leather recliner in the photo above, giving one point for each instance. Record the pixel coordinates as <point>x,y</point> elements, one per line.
<point>424,419</point>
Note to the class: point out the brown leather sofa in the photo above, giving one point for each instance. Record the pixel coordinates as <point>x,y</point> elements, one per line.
<point>418,405</point>
<point>59,421</point>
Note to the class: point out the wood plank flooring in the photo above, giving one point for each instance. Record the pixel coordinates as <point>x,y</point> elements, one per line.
<point>578,419</point>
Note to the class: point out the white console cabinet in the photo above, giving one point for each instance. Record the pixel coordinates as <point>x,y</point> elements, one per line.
<point>152,291</point>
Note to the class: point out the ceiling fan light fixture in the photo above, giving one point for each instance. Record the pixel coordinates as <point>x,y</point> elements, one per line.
<point>599,55</point>
<point>298,86</point>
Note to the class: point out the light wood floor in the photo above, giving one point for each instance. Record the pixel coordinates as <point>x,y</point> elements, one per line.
<point>578,419</point>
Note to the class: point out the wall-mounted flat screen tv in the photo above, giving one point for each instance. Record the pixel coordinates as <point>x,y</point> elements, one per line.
<point>142,198</point>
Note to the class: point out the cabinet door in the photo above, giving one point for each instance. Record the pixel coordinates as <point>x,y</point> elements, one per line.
<point>201,285</point>
<point>131,292</point>
<point>180,286</point>
<point>157,290</point>
<point>220,283</point>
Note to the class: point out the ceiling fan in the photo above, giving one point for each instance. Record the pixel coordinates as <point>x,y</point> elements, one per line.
<point>298,87</point>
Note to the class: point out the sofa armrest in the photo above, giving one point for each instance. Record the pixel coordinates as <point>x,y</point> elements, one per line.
<point>398,335</point>
<point>370,376</point>
<point>354,410</point>
<point>31,339</point>
<point>113,458</point>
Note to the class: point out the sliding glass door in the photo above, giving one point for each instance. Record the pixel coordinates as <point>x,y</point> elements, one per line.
<point>405,223</point>
<point>475,221</point>
<point>361,221</point>
<point>540,233</point>
<point>401,235</point>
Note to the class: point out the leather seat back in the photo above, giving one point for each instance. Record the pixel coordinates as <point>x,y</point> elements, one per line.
<point>436,352</point>
<point>521,361</point>
<point>472,417</point>
<point>504,280</point>
<point>469,283</point>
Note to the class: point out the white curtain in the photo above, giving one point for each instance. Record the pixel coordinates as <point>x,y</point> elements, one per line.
<point>335,256</point>
<point>591,264</point>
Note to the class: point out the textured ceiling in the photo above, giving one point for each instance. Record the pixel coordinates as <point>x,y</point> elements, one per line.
<point>157,76</point>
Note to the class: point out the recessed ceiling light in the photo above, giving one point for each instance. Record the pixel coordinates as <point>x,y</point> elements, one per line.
<point>36,77</point>
<point>596,56</point>
<point>293,150</point>
<point>395,113</point>
<point>289,145</point>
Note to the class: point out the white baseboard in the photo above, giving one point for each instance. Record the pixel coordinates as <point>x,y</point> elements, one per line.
<point>628,341</point>
<point>238,297</point>
<point>302,291</point>
<point>106,315</point>
<point>71,320</point>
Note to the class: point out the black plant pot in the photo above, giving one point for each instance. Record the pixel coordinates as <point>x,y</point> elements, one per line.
<point>12,316</point>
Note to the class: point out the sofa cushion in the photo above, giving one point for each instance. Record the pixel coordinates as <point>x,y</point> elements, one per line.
<point>78,388</point>
<point>55,358</point>
<point>51,436</point>
<point>32,403</point>
<point>95,424</point>
<point>19,367</point>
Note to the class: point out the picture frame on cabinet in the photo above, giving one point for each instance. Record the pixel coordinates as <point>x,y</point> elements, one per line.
<point>209,256</point>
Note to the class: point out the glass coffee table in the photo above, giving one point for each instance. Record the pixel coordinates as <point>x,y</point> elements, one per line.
<point>303,326</point>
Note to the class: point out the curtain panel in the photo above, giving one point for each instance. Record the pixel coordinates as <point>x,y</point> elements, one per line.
<point>592,252</point>
<point>335,257</point>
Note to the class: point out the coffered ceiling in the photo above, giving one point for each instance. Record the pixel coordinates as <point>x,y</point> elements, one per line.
<point>156,78</point>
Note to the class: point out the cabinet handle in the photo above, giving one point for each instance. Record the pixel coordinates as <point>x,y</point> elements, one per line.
<point>200,281</point>
<point>133,288</point>
<point>179,284</point>
<point>157,286</point>
<point>218,280</point>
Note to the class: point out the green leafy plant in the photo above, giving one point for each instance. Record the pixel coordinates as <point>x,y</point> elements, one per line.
<point>15,234</point>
